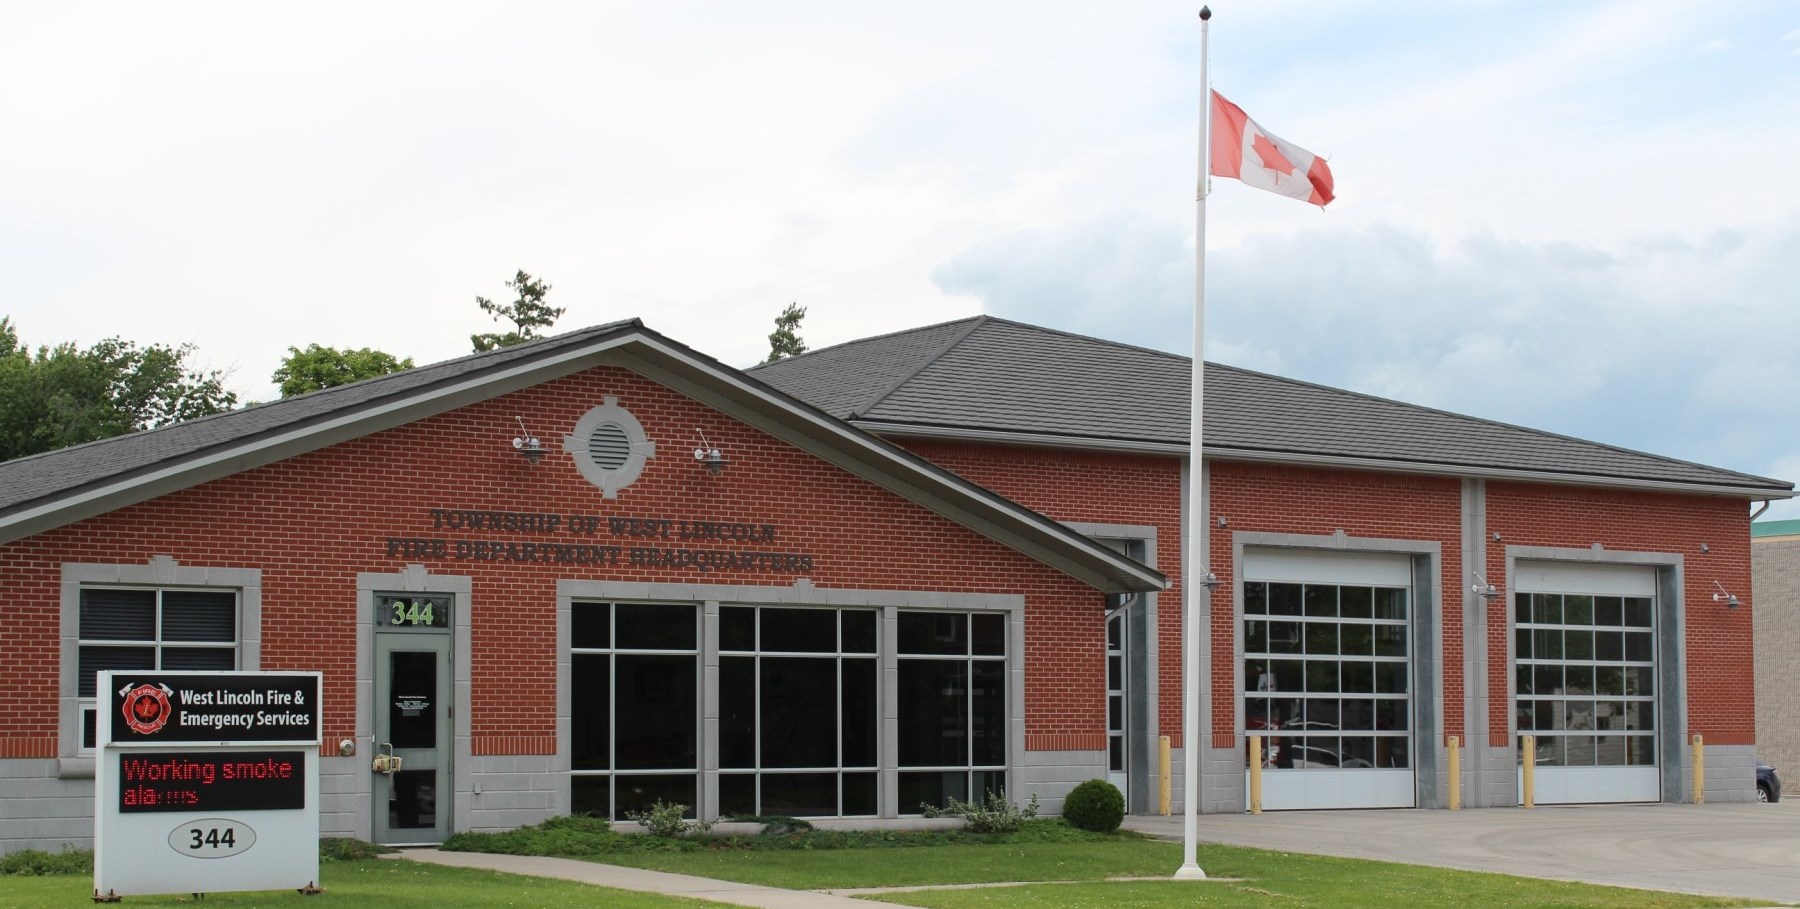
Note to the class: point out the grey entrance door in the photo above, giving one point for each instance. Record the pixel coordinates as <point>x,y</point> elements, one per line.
<point>412,723</point>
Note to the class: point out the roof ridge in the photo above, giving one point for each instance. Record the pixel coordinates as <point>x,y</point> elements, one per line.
<point>855,341</point>
<point>1545,433</point>
<point>974,323</point>
<point>1094,338</point>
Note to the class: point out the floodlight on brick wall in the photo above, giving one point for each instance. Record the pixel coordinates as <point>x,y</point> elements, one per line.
<point>1725,596</point>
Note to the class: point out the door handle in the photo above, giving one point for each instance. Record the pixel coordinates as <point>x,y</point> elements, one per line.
<point>385,761</point>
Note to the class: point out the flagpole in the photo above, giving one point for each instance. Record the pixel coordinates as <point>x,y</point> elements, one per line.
<point>1196,577</point>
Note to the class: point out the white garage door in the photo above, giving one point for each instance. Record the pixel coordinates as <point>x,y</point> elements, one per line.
<point>1584,680</point>
<point>1328,677</point>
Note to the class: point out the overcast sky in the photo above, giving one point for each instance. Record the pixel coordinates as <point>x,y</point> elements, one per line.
<point>1580,217</point>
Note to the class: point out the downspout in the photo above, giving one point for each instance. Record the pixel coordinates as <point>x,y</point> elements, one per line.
<point>1765,507</point>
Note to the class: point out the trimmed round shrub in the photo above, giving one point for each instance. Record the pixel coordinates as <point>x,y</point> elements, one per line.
<point>1095,805</point>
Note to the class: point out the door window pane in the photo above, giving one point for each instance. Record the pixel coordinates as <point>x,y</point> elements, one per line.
<point>412,702</point>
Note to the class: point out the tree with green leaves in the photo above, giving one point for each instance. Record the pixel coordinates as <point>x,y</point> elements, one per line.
<point>528,314</point>
<point>785,341</point>
<point>319,367</point>
<point>60,396</point>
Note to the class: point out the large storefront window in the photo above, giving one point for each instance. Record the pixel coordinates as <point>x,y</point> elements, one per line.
<point>952,700</point>
<point>797,711</point>
<point>151,629</point>
<point>634,698</point>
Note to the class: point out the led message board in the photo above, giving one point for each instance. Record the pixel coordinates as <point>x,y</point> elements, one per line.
<point>185,768</point>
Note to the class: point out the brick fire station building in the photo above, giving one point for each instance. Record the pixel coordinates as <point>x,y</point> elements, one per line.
<point>592,571</point>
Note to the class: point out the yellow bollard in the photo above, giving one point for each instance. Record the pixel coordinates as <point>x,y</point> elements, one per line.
<point>1455,773</point>
<point>1699,770</point>
<point>1528,748</point>
<point>1256,774</point>
<point>1162,769</point>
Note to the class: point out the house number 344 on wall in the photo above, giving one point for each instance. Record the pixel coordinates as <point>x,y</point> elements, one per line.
<point>412,612</point>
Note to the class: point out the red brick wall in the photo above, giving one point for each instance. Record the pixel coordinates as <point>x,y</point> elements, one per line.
<point>1273,499</point>
<point>312,522</point>
<point>1720,666</point>
<point>1096,488</point>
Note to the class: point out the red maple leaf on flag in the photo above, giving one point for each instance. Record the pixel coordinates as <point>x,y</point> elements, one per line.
<point>1272,158</point>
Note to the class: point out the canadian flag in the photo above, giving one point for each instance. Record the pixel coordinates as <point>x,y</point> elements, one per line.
<point>1243,150</point>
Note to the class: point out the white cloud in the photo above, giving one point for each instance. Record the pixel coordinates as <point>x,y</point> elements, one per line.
<point>1716,44</point>
<point>1542,207</point>
<point>1659,344</point>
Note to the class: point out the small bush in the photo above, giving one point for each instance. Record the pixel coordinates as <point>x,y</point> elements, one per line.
<point>1095,805</point>
<point>997,815</point>
<point>664,819</point>
<point>348,849</point>
<point>569,835</point>
<point>32,862</point>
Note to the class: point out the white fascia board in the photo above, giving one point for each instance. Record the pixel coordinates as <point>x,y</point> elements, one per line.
<point>959,500</point>
<point>1127,446</point>
<point>312,436</point>
<point>1501,473</point>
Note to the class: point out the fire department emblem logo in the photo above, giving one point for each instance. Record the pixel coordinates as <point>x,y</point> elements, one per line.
<point>146,707</point>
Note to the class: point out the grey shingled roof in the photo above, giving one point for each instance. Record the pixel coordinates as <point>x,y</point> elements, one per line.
<point>27,479</point>
<point>55,488</point>
<point>986,375</point>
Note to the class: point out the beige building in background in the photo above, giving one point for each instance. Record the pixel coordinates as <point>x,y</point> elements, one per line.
<point>1775,583</point>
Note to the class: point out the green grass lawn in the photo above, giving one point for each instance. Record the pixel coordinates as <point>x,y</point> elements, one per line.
<point>378,884</point>
<point>1267,878</point>
<point>1313,882</point>
<point>830,869</point>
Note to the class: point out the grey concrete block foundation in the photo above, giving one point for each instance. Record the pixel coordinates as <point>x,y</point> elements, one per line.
<point>40,811</point>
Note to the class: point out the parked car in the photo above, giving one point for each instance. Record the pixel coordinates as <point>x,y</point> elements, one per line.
<point>1768,783</point>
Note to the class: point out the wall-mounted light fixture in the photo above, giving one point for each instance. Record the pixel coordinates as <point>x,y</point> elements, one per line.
<point>1481,586</point>
<point>708,456</point>
<point>1727,597</point>
<point>1211,582</point>
<point>527,444</point>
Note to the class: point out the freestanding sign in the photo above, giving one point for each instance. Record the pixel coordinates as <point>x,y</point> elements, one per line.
<point>207,782</point>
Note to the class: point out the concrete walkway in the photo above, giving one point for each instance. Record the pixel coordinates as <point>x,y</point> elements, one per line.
<point>1744,850</point>
<point>638,879</point>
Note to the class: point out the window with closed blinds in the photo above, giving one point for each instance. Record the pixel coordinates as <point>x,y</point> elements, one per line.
<point>151,629</point>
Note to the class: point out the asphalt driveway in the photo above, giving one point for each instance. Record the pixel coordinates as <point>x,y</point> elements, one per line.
<point>1746,850</point>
